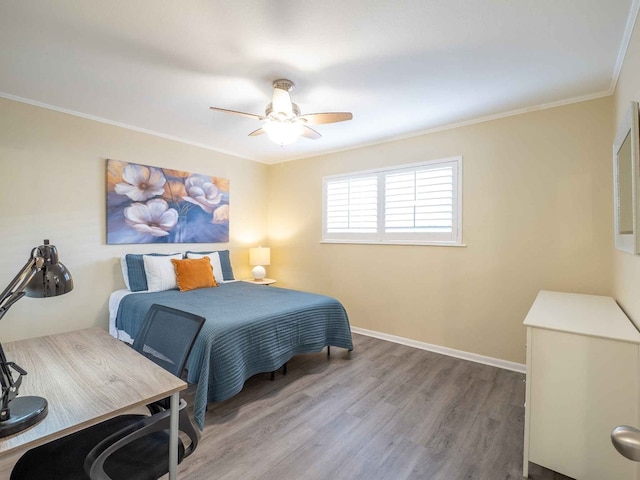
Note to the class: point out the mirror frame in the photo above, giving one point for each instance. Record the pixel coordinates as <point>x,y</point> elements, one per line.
<point>628,242</point>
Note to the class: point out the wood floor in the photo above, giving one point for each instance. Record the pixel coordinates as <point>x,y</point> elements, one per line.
<point>383,411</point>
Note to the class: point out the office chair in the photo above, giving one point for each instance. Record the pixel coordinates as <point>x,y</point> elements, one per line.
<point>132,447</point>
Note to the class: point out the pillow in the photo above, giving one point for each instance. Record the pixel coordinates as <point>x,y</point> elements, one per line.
<point>194,273</point>
<point>125,271</point>
<point>160,272</point>
<point>214,260</point>
<point>225,263</point>
<point>133,270</point>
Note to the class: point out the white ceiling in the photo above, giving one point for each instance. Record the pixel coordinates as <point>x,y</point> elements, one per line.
<point>402,67</point>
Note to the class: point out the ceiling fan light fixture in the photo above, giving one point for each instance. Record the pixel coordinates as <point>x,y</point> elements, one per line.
<point>283,133</point>
<point>283,121</point>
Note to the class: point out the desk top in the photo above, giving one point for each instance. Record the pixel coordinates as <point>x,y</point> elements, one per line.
<point>87,376</point>
<point>591,315</point>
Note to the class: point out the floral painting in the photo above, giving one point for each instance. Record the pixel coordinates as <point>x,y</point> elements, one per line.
<point>157,205</point>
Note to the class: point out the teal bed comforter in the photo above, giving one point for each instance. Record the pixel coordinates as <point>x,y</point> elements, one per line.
<point>249,329</point>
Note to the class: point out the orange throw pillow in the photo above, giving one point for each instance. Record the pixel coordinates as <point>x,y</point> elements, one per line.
<point>194,273</point>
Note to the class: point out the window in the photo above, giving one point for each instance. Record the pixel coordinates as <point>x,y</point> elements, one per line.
<point>411,204</point>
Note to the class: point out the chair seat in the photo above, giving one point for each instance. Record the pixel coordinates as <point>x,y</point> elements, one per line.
<point>144,459</point>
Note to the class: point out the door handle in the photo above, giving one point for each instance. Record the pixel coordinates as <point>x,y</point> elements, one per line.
<point>626,440</point>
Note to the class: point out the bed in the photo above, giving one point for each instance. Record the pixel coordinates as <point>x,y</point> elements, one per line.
<point>249,329</point>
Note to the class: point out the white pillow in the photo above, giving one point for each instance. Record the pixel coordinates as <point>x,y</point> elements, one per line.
<point>214,259</point>
<point>161,275</point>
<point>125,270</point>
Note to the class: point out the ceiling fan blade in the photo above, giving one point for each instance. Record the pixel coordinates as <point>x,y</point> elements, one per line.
<point>310,133</point>
<point>250,115</point>
<point>257,132</point>
<point>328,117</point>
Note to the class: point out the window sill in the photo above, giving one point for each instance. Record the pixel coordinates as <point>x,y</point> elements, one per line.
<point>408,243</point>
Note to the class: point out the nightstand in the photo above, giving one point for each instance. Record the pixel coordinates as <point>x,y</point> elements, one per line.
<point>264,281</point>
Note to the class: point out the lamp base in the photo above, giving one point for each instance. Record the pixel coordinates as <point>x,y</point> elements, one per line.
<point>25,411</point>
<point>258,272</point>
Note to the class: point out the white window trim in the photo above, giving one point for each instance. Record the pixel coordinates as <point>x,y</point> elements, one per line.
<point>381,238</point>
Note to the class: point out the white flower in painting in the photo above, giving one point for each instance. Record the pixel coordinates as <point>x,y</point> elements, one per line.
<point>221,214</point>
<point>202,191</point>
<point>154,218</point>
<point>141,183</point>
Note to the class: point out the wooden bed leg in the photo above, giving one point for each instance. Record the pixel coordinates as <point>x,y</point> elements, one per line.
<point>284,368</point>
<point>328,350</point>
<point>273,376</point>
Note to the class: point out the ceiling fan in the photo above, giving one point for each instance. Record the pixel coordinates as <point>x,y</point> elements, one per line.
<point>283,121</point>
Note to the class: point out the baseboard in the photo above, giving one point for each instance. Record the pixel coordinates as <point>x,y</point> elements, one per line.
<point>472,357</point>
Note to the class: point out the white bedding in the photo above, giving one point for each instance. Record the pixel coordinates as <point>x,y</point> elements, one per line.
<point>114,302</point>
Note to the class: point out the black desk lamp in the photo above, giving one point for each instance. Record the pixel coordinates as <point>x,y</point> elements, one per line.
<point>42,276</point>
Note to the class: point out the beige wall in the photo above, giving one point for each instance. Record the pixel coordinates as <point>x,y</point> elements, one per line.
<point>626,267</point>
<point>537,214</point>
<point>52,171</point>
<point>537,202</point>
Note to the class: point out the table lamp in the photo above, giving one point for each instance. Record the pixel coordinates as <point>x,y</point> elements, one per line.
<point>42,276</point>
<point>259,257</point>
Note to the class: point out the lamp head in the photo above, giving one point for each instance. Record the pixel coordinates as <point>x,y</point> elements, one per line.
<point>52,278</point>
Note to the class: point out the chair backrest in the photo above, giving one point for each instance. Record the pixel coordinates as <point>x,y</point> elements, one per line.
<point>167,336</point>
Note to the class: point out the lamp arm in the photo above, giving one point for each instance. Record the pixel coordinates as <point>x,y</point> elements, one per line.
<point>11,294</point>
<point>15,289</point>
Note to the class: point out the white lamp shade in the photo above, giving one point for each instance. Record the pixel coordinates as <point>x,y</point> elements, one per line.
<point>282,132</point>
<point>260,256</point>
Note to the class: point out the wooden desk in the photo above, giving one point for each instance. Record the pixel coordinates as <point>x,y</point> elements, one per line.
<point>87,376</point>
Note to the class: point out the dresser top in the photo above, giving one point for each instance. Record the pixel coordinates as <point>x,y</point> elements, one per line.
<point>591,315</point>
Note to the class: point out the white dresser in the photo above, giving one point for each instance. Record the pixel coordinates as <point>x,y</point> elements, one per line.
<point>583,379</point>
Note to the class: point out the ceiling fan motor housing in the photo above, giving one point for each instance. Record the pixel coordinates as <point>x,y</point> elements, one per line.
<point>284,84</point>
<point>282,108</point>
<point>270,113</point>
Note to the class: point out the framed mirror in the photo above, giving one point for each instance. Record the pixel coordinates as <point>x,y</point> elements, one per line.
<point>626,172</point>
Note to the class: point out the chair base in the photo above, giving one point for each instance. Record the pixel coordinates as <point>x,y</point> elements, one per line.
<point>25,412</point>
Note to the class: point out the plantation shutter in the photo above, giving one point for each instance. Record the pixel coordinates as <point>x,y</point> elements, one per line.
<point>352,205</point>
<point>419,200</point>
<point>417,204</point>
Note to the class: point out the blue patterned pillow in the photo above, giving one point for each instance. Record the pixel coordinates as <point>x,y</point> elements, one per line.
<point>225,262</point>
<point>135,270</point>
